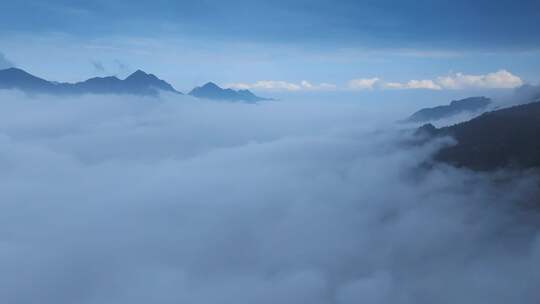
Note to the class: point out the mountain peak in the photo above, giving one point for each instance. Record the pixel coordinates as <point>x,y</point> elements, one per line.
<point>138,83</point>
<point>14,70</point>
<point>15,78</point>
<point>148,82</point>
<point>211,85</point>
<point>140,74</point>
<point>139,71</point>
<point>211,90</point>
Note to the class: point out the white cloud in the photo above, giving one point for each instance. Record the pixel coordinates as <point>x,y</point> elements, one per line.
<point>423,84</point>
<point>363,83</point>
<point>393,85</point>
<point>498,80</point>
<point>238,86</point>
<point>280,85</point>
<point>412,84</point>
<point>321,86</point>
<point>501,79</point>
<point>276,85</point>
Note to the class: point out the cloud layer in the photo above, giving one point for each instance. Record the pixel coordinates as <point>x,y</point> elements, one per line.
<point>363,83</point>
<point>135,200</point>
<point>501,79</point>
<point>280,85</point>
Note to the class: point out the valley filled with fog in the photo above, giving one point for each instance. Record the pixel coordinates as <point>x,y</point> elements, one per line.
<point>123,199</point>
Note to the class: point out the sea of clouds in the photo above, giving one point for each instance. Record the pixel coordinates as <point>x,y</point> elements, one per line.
<point>137,200</point>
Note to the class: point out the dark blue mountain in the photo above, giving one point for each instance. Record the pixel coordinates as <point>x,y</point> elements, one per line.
<point>14,78</point>
<point>502,138</point>
<point>140,79</point>
<point>138,83</point>
<point>213,91</point>
<point>471,104</point>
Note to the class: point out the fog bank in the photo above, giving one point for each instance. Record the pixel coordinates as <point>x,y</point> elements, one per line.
<point>174,200</point>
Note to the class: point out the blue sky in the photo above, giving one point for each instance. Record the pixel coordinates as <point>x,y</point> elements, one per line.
<point>292,46</point>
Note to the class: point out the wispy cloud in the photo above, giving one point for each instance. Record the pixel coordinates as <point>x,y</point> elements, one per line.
<point>363,83</point>
<point>412,84</point>
<point>501,79</point>
<point>98,66</point>
<point>280,85</point>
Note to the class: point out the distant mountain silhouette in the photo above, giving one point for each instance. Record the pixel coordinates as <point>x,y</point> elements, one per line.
<point>527,93</point>
<point>138,83</point>
<point>13,78</point>
<point>140,79</point>
<point>213,91</point>
<point>471,104</point>
<point>497,139</point>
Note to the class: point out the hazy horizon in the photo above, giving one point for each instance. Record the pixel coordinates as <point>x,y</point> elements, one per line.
<point>126,192</point>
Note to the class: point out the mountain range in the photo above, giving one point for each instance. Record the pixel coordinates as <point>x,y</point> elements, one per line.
<point>471,105</point>
<point>498,139</point>
<point>521,95</point>
<point>138,83</point>
<point>213,91</point>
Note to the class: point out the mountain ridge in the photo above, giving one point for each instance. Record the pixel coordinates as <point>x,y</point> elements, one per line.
<point>138,83</point>
<point>503,138</point>
<point>211,90</point>
<point>470,104</point>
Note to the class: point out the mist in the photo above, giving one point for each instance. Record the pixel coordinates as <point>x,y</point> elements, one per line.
<point>4,62</point>
<point>120,199</point>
